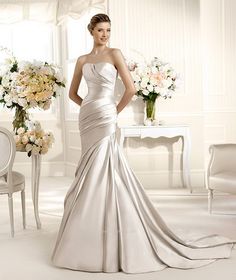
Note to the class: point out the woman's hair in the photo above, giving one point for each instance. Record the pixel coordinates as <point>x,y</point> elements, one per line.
<point>96,19</point>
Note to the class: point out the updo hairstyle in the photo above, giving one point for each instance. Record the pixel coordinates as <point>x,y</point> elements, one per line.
<point>96,19</point>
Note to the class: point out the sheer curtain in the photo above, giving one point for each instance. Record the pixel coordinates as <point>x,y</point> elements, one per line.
<point>49,11</point>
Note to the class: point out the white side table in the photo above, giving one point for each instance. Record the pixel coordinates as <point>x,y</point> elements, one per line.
<point>35,177</point>
<point>163,131</point>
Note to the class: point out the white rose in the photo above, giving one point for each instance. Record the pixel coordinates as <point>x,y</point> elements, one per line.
<point>14,97</point>
<point>2,91</point>
<point>144,82</point>
<point>6,81</point>
<point>33,103</point>
<point>147,70</point>
<point>20,130</point>
<point>47,104</point>
<point>169,93</point>
<point>136,78</point>
<point>139,71</point>
<point>157,89</point>
<point>8,98</point>
<point>163,92</point>
<point>44,150</point>
<point>56,87</point>
<point>150,88</point>
<point>145,92</point>
<point>154,69</point>
<point>137,86</point>
<point>152,81</point>
<point>32,138</point>
<point>166,67</point>
<point>25,139</point>
<point>17,139</point>
<point>59,77</point>
<point>131,65</point>
<point>39,142</point>
<point>28,148</point>
<point>22,102</point>
<point>167,83</point>
<point>35,150</point>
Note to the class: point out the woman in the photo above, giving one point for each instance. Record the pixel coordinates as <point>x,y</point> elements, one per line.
<point>109,223</point>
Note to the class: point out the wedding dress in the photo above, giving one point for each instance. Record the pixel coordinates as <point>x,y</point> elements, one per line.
<point>109,223</point>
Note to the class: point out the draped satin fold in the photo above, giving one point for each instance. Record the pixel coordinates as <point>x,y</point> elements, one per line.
<point>109,223</point>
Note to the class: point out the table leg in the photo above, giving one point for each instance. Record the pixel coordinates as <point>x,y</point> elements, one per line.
<point>186,161</point>
<point>36,168</point>
<point>170,164</point>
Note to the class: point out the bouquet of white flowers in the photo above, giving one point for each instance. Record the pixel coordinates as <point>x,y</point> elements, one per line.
<point>29,84</point>
<point>25,85</point>
<point>154,79</point>
<point>34,140</point>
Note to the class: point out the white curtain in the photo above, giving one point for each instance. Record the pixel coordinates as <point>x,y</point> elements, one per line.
<point>54,11</point>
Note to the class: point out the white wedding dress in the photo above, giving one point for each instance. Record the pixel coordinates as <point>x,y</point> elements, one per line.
<point>109,223</point>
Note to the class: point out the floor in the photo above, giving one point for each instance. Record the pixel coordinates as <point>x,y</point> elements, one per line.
<point>27,255</point>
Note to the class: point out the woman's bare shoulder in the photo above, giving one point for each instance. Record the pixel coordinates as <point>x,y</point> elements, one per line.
<point>115,51</point>
<point>82,59</point>
<point>117,55</point>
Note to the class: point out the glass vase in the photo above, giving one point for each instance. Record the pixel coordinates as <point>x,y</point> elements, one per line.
<point>20,118</point>
<point>150,110</point>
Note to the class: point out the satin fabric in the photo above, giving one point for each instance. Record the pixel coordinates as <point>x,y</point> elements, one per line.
<point>109,223</point>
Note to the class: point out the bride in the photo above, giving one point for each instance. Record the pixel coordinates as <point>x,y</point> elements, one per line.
<point>109,223</point>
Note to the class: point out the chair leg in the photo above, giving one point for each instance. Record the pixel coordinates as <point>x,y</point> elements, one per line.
<point>23,207</point>
<point>210,197</point>
<point>10,204</point>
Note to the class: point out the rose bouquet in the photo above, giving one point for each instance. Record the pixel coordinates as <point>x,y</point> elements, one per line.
<point>152,80</point>
<point>34,140</point>
<point>25,85</point>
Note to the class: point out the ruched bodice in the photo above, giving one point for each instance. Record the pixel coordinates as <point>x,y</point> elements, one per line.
<point>109,223</point>
<point>98,109</point>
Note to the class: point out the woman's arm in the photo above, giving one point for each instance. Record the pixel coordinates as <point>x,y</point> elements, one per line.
<point>74,86</point>
<point>126,78</point>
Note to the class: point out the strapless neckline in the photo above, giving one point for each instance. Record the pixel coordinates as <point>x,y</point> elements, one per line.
<point>101,62</point>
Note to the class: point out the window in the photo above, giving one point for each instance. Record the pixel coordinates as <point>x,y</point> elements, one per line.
<point>29,40</point>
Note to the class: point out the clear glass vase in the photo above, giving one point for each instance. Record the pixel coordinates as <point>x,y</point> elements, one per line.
<point>150,110</point>
<point>20,118</point>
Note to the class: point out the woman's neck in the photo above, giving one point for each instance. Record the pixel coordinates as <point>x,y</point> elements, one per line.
<point>98,50</point>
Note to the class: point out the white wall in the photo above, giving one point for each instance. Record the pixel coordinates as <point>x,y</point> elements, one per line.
<point>198,38</point>
<point>219,59</point>
<point>171,31</point>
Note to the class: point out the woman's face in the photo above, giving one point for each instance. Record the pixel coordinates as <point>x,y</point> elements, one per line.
<point>101,33</point>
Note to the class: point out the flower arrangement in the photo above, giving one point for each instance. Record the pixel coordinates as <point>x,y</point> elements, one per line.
<point>34,140</point>
<point>25,85</point>
<point>154,79</point>
<point>29,84</point>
